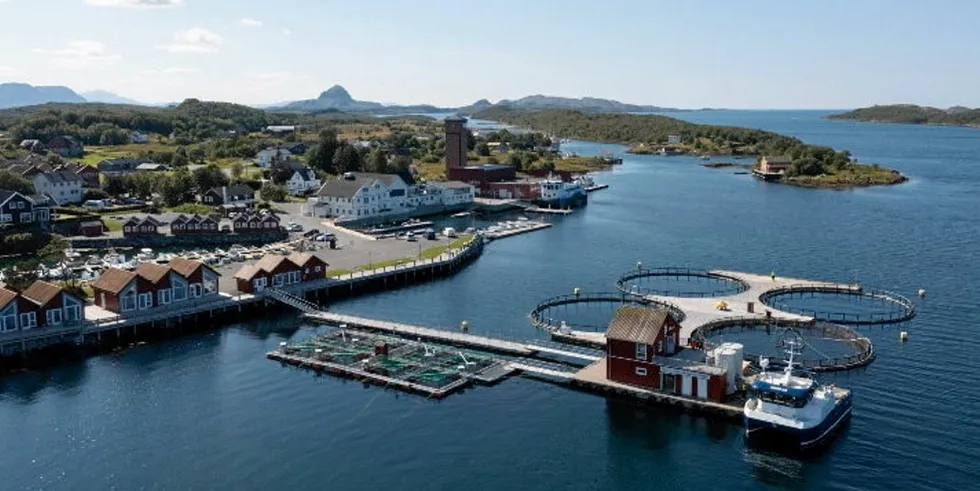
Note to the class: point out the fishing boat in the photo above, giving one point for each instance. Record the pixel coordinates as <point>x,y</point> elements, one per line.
<point>791,407</point>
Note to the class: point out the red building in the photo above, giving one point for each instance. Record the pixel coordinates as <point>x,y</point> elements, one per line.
<point>275,271</point>
<point>137,227</point>
<point>153,285</point>
<point>92,228</point>
<point>643,349</point>
<point>41,305</point>
<point>252,222</point>
<point>458,170</point>
<point>195,224</point>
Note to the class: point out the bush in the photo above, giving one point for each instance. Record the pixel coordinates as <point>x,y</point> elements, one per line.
<point>273,192</point>
<point>18,243</point>
<point>95,194</point>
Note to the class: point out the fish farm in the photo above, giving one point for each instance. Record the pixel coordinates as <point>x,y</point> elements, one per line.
<point>433,371</point>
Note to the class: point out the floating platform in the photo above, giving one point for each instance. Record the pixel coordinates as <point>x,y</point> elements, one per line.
<point>510,232</point>
<point>392,362</point>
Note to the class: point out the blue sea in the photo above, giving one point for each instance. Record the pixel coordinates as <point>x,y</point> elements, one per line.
<point>208,411</point>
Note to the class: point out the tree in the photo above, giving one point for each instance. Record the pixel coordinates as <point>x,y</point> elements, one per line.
<point>470,140</point>
<point>377,161</point>
<point>15,182</point>
<point>237,170</point>
<point>280,173</point>
<point>180,158</point>
<point>177,189</point>
<point>347,159</point>
<point>482,149</point>
<point>197,154</point>
<point>209,176</point>
<point>273,192</point>
<point>514,160</point>
<point>320,156</point>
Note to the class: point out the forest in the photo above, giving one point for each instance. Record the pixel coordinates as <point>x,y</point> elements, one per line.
<point>912,114</point>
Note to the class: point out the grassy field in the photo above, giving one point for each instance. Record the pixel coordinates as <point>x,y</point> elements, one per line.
<point>95,154</point>
<point>112,225</point>
<point>192,208</point>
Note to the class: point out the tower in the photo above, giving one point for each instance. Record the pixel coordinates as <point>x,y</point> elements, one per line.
<point>455,144</point>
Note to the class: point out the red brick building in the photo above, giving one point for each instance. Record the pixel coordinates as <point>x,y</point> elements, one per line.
<point>643,349</point>
<point>41,305</point>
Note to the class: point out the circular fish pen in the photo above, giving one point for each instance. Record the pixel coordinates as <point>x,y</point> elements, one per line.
<point>831,347</point>
<point>853,306</point>
<point>589,311</point>
<point>679,282</point>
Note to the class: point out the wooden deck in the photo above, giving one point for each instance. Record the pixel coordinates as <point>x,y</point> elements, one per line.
<point>427,333</point>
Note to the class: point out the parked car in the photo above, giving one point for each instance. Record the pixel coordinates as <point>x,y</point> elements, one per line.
<point>226,228</point>
<point>410,237</point>
<point>294,227</point>
<point>313,232</point>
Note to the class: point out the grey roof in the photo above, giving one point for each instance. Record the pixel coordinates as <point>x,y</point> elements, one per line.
<point>637,324</point>
<point>291,164</point>
<point>121,164</point>
<point>61,176</point>
<point>40,200</point>
<point>150,166</point>
<point>234,191</point>
<point>306,174</point>
<point>449,184</point>
<point>341,187</point>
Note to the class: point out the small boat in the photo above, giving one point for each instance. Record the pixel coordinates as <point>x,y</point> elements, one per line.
<point>705,157</point>
<point>462,214</point>
<point>791,407</point>
<point>145,254</point>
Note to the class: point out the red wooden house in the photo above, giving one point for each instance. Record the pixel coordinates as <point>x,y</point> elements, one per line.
<point>311,267</point>
<point>194,224</point>
<point>643,349</point>
<point>251,222</point>
<point>136,227</point>
<point>41,305</point>
<point>197,278</point>
<point>274,271</point>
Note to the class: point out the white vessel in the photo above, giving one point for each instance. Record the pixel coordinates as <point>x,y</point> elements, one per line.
<point>791,407</point>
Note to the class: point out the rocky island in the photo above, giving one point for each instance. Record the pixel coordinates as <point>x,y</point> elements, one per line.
<point>809,165</point>
<point>912,114</point>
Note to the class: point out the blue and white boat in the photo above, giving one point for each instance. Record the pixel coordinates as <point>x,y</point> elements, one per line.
<point>792,408</point>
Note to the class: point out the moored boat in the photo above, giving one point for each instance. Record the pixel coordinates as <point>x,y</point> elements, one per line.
<point>790,407</point>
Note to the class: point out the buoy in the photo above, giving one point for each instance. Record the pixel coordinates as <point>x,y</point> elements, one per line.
<point>577,291</point>
<point>904,335</point>
<point>465,326</point>
<point>773,275</point>
<point>922,293</point>
<point>639,265</point>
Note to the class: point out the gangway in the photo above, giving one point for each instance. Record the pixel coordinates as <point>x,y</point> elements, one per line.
<point>295,301</point>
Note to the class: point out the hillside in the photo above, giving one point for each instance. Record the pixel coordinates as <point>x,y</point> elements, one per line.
<point>107,97</point>
<point>585,104</point>
<point>912,114</point>
<point>813,165</point>
<point>18,94</point>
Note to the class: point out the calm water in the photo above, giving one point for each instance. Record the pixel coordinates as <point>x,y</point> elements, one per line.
<point>209,411</point>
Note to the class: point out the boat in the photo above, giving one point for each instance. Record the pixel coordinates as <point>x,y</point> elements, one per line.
<point>462,214</point>
<point>705,157</point>
<point>791,407</point>
<point>145,254</point>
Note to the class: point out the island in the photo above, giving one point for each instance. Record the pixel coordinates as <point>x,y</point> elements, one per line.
<point>912,114</point>
<point>809,165</point>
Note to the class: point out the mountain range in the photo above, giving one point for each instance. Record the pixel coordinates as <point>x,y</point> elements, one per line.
<point>335,98</point>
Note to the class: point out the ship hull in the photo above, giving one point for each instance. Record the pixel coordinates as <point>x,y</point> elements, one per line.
<point>756,429</point>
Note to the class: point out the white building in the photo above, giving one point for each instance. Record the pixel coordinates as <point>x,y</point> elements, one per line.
<point>63,187</point>
<point>265,158</point>
<point>303,181</point>
<point>671,139</point>
<point>358,195</point>
<point>139,137</point>
<point>454,193</point>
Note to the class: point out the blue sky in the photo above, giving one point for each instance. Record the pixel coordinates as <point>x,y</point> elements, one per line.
<point>745,54</point>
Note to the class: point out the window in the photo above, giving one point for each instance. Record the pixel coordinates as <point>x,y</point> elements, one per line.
<point>210,285</point>
<point>54,317</point>
<point>73,312</point>
<point>28,320</point>
<point>129,301</point>
<point>26,217</point>
<point>641,371</point>
<point>180,291</point>
<point>164,296</point>
<point>278,280</point>
<point>146,300</point>
<point>641,351</point>
<point>196,290</point>
<point>8,320</point>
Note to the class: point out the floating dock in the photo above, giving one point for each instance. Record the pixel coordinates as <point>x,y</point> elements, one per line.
<point>510,232</point>
<point>549,211</point>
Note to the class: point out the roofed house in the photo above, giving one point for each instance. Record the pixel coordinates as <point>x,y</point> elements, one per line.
<point>276,270</point>
<point>32,145</point>
<point>63,187</point>
<point>298,148</point>
<point>116,291</point>
<point>302,179</point>
<point>89,174</point>
<point>641,349</point>
<point>254,222</point>
<point>267,157</point>
<point>356,195</point>
<point>778,164</point>
<point>66,146</point>
<point>280,130</point>
<point>136,226</point>
<point>194,224</point>
<point>42,304</point>
<point>113,167</point>
<point>229,195</point>
<point>197,278</point>
<point>17,209</point>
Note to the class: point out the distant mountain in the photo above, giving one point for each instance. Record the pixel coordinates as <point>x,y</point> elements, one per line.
<point>335,97</point>
<point>109,98</point>
<point>912,114</point>
<point>18,94</point>
<point>585,104</point>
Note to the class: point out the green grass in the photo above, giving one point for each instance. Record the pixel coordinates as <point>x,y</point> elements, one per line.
<point>434,252</point>
<point>191,209</point>
<point>112,225</point>
<point>383,264</point>
<point>96,153</point>
<point>335,273</point>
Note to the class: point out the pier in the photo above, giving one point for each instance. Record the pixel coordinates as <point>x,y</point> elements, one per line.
<point>510,232</point>
<point>549,211</point>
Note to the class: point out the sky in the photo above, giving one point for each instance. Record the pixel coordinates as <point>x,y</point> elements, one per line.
<point>680,53</point>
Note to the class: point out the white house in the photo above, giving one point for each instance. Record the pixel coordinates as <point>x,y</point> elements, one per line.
<point>303,181</point>
<point>138,137</point>
<point>358,195</point>
<point>454,193</point>
<point>265,158</point>
<point>63,187</point>
<point>672,139</point>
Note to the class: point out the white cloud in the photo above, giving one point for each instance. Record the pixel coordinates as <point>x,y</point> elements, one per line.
<point>176,70</point>
<point>249,22</point>
<point>287,32</point>
<point>196,40</point>
<point>79,54</point>
<point>135,3</point>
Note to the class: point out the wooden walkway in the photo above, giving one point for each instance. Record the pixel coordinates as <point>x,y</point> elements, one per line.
<point>427,333</point>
